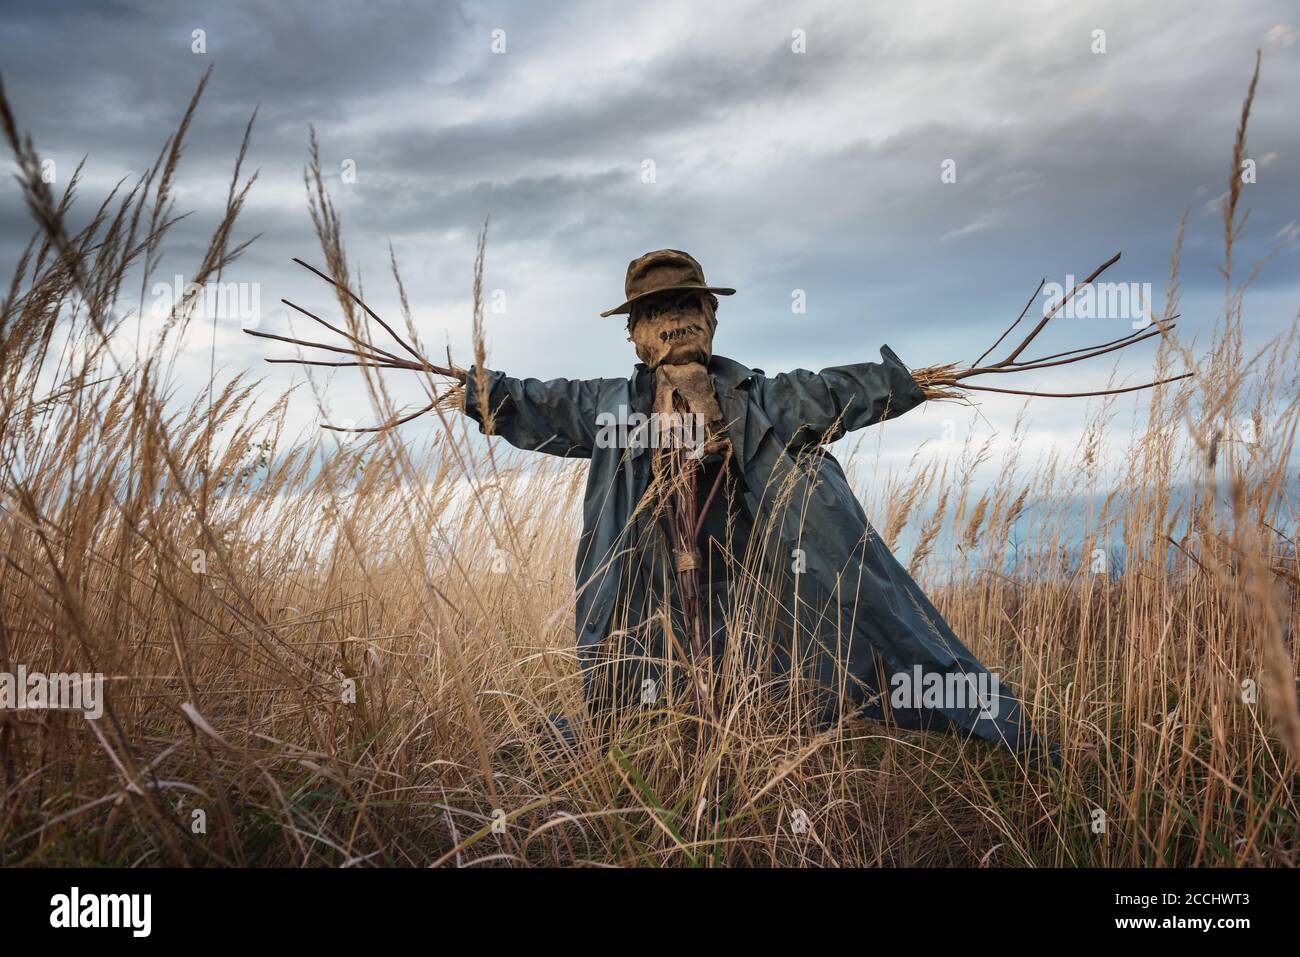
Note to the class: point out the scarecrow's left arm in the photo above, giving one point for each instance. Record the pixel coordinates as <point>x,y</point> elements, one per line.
<point>808,408</point>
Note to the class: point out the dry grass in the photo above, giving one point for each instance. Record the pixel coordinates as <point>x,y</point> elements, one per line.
<point>231,583</point>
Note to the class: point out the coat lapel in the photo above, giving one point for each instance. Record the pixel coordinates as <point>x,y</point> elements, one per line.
<point>732,382</point>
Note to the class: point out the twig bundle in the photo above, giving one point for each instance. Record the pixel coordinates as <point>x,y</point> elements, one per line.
<point>945,381</point>
<point>365,353</point>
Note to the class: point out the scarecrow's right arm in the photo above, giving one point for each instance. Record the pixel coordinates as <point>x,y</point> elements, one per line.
<point>557,416</point>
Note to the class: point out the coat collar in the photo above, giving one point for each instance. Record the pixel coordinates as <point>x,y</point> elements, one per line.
<point>727,373</point>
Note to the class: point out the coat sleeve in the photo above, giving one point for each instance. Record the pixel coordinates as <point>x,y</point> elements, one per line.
<point>808,408</point>
<point>557,416</point>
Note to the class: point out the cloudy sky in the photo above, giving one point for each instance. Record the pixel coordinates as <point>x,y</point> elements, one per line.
<point>780,170</point>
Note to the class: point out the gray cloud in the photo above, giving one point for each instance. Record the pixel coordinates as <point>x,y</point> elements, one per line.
<point>779,171</point>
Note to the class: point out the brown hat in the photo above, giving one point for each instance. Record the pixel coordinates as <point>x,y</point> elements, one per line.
<point>663,270</point>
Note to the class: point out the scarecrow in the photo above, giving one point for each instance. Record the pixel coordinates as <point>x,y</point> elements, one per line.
<point>716,523</point>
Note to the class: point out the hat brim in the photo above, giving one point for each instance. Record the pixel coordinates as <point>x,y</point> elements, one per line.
<point>627,306</point>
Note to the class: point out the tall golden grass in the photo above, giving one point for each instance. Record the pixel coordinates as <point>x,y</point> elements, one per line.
<point>232,584</point>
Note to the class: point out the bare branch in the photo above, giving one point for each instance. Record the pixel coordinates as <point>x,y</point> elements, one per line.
<point>1080,395</point>
<point>1057,308</point>
<point>369,312</point>
<point>391,423</point>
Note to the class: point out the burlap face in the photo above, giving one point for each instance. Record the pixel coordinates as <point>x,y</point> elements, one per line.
<point>671,330</point>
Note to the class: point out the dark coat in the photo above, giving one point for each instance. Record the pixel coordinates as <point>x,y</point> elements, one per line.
<point>883,621</point>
